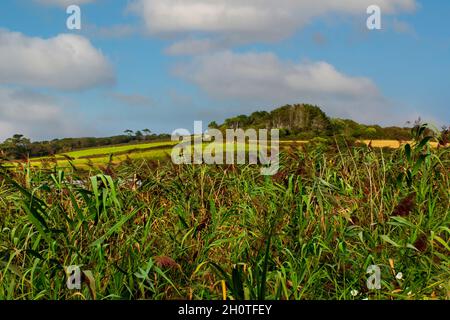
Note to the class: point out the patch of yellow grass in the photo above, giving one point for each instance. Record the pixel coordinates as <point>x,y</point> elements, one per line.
<point>394,144</point>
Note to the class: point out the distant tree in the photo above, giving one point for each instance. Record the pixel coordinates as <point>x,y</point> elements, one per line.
<point>129,132</point>
<point>213,125</point>
<point>370,133</point>
<point>16,147</point>
<point>147,133</point>
<point>138,134</point>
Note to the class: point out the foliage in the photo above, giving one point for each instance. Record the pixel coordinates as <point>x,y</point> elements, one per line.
<point>159,231</point>
<point>303,121</point>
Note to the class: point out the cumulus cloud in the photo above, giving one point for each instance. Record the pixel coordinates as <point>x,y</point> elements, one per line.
<point>67,62</point>
<point>251,20</point>
<point>260,75</point>
<point>63,3</point>
<point>252,79</point>
<point>35,115</point>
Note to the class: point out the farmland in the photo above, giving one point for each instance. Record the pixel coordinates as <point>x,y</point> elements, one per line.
<point>102,155</point>
<point>155,151</point>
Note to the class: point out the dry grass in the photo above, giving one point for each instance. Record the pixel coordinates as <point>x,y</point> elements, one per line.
<point>394,144</point>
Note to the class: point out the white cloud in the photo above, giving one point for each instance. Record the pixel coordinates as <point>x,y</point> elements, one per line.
<point>67,62</point>
<point>251,20</point>
<point>63,3</point>
<point>255,79</point>
<point>35,115</point>
<point>253,75</point>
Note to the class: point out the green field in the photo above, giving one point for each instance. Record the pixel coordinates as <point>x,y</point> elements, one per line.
<point>117,149</point>
<point>102,155</point>
<point>117,154</point>
<point>155,150</point>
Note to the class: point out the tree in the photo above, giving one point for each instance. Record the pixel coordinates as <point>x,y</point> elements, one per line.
<point>213,125</point>
<point>371,133</point>
<point>16,147</point>
<point>129,132</point>
<point>138,134</point>
<point>147,133</point>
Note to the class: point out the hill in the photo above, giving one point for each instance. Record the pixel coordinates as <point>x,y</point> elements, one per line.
<point>304,121</point>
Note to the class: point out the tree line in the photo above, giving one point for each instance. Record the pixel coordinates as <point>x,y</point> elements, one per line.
<point>20,147</point>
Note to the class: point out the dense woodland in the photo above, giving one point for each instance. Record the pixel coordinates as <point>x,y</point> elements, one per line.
<point>300,121</point>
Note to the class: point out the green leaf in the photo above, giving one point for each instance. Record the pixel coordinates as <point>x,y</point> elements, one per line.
<point>116,227</point>
<point>423,143</point>
<point>238,286</point>
<point>419,163</point>
<point>401,221</point>
<point>408,152</point>
<point>262,284</point>
<point>389,240</point>
<point>441,241</point>
<point>14,269</point>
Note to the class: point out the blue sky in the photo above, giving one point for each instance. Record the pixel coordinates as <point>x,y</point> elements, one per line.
<point>161,64</point>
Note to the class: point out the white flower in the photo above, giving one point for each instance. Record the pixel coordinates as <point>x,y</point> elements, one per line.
<point>354,293</point>
<point>399,276</point>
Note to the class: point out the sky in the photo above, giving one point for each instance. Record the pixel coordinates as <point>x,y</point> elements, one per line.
<point>162,64</point>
